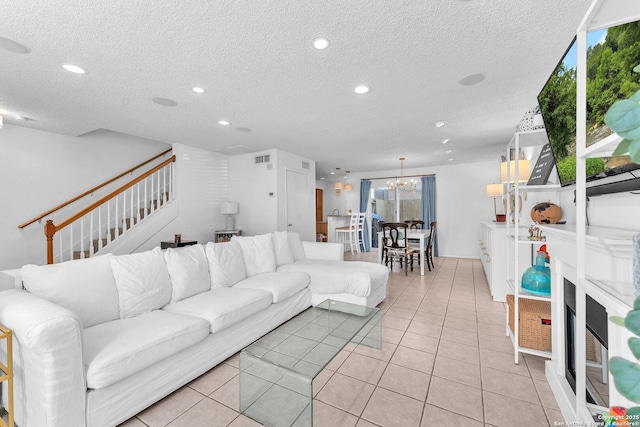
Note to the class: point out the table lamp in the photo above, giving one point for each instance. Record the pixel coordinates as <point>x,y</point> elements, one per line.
<point>229,209</point>
<point>495,190</point>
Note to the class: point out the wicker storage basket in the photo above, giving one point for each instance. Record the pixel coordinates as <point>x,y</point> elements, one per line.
<point>534,324</point>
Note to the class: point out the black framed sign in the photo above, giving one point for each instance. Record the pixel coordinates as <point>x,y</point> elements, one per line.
<point>542,167</point>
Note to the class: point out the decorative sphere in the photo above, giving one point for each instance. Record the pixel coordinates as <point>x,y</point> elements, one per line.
<point>546,213</point>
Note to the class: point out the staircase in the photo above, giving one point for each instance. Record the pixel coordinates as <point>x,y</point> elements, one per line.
<point>97,227</point>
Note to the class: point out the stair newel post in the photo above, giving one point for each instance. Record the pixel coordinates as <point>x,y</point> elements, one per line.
<point>49,231</point>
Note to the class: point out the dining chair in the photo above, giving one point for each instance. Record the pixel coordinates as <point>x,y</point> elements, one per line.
<point>429,250</point>
<point>349,232</point>
<point>396,245</point>
<point>415,224</point>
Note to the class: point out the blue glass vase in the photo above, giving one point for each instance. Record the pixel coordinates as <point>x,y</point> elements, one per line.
<point>537,278</point>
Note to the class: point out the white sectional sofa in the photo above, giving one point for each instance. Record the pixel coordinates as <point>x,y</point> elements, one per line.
<point>98,340</point>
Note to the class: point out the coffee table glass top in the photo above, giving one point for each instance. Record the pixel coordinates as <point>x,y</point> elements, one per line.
<point>309,341</point>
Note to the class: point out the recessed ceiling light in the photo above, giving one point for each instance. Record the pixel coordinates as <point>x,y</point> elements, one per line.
<point>445,140</point>
<point>322,177</point>
<point>450,159</point>
<point>448,151</point>
<point>224,122</point>
<point>332,173</point>
<point>13,46</point>
<point>440,123</point>
<point>165,101</point>
<point>362,89</point>
<point>74,69</point>
<point>19,118</point>
<point>321,43</point>
<point>198,90</point>
<point>472,79</point>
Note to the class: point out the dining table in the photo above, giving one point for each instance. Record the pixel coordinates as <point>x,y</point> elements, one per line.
<point>422,235</point>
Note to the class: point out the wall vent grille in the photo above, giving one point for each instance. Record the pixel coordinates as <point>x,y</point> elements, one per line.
<point>263,159</point>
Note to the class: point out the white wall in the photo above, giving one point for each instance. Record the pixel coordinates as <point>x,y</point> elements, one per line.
<point>461,202</point>
<point>260,191</point>
<point>201,185</point>
<point>39,170</point>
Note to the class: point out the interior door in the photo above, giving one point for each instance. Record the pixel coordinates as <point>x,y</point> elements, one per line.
<point>299,206</point>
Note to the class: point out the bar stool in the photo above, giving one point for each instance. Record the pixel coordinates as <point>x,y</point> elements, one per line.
<point>350,231</point>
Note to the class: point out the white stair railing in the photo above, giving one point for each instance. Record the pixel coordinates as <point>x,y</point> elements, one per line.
<point>92,229</point>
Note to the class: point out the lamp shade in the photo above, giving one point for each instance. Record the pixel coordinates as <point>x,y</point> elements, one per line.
<point>348,187</point>
<point>495,190</point>
<point>229,208</point>
<point>337,186</point>
<point>524,170</point>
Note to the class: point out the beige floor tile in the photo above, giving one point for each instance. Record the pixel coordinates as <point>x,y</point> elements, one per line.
<point>242,421</point>
<point>490,342</point>
<point>460,336</point>
<point>395,322</point>
<point>507,384</point>
<point>363,368</point>
<point>420,342</point>
<point>502,361</point>
<point>205,413</point>
<point>401,313</point>
<point>503,411</point>
<point>554,417</point>
<point>491,329</point>
<point>414,359</point>
<point>365,423</point>
<point>458,351</point>
<point>338,360</point>
<point>327,416</point>
<point>229,394</point>
<point>425,317</point>
<point>428,329</point>
<point>383,354</point>
<point>234,360</point>
<point>536,366</point>
<point>346,393</point>
<point>458,371</point>
<point>405,381</point>
<point>391,335</point>
<point>321,379</point>
<point>131,422</point>
<point>434,416</point>
<point>545,394</point>
<point>215,378</point>
<point>171,407</point>
<point>455,397</point>
<point>460,323</point>
<point>389,409</point>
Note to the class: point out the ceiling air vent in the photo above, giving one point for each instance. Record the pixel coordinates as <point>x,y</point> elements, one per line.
<point>305,165</point>
<point>263,159</point>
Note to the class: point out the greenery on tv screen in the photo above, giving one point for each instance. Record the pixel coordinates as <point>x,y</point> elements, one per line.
<point>610,77</point>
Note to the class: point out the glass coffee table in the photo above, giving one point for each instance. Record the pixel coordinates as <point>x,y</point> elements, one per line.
<point>277,371</point>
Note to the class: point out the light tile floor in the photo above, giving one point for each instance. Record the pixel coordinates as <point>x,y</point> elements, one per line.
<point>445,360</point>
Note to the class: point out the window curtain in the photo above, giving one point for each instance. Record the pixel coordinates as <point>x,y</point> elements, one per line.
<point>428,206</point>
<point>365,191</point>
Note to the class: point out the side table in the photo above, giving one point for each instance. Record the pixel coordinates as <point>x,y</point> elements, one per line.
<point>6,374</point>
<point>225,235</point>
<point>165,245</point>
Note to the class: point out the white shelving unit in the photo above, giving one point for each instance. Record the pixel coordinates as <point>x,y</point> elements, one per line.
<point>587,243</point>
<point>519,247</point>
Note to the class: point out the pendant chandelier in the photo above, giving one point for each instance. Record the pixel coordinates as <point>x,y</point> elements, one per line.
<point>401,184</point>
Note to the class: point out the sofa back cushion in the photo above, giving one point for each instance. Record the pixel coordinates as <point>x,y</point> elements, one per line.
<point>142,281</point>
<point>226,264</point>
<point>295,244</point>
<point>281,248</point>
<point>189,271</point>
<point>84,286</point>
<point>258,253</point>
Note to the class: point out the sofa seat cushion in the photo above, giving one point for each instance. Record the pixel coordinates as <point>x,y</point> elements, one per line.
<point>281,285</point>
<point>223,307</point>
<point>114,350</point>
<point>335,277</point>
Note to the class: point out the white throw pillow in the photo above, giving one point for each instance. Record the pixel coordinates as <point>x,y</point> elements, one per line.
<point>226,264</point>
<point>189,271</point>
<point>281,248</point>
<point>296,246</point>
<point>84,286</point>
<point>258,254</point>
<point>143,282</point>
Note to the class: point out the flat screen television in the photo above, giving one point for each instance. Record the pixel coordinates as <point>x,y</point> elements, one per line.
<point>612,53</point>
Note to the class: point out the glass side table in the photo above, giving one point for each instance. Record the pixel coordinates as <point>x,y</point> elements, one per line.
<point>277,371</point>
<point>6,373</point>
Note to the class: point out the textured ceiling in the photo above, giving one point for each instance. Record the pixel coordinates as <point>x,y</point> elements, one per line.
<point>257,63</point>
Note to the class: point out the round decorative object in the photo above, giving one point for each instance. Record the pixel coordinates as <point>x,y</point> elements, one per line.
<point>537,278</point>
<point>546,213</point>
